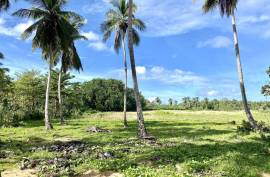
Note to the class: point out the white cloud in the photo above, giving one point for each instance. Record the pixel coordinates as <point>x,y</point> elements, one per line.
<point>216,42</point>
<point>171,17</point>
<point>212,93</point>
<point>173,77</point>
<point>99,46</point>
<point>14,31</point>
<point>141,70</point>
<point>96,6</point>
<point>95,41</point>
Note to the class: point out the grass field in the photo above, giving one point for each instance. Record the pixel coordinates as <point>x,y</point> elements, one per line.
<point>188,144</point>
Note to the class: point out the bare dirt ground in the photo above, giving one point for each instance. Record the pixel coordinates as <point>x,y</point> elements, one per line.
<point>19,173</point>
<point>93,173</point>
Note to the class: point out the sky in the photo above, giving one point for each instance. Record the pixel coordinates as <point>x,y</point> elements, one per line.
<point>182,53</point>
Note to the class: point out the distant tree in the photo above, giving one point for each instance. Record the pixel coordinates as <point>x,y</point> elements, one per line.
<point>117,22</point>
<point>170,101</point>
<point>105,95</point>
<point>186,103</point>
<point>29,87</point>
<point>266,88</point>
<point>175,102</point>
<point>205,104</point>
<point>53,34</point>
<point>228,7</point>
<point>158,101</point>
<point>59,85</point>
<point>142,132</point>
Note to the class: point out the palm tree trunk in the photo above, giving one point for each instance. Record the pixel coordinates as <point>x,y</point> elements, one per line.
<point>48,125</point>
<point>142,133</point>
<point>60,97</point>
<point>241,77</point>
<point>125,87</point>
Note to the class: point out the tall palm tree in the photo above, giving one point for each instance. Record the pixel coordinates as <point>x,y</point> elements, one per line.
<point>4,4</point>
<point>117,22</point>
<point>53,35</point>
<point>142,133</point>
<point>70,60</point>
<point>227,7</point>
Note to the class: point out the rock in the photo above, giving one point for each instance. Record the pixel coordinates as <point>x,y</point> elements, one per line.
<point>105,155</point>
<point>95,129</point>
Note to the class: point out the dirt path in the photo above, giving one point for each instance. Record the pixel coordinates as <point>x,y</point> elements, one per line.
<point>19,173</point>
<point>93,173</point>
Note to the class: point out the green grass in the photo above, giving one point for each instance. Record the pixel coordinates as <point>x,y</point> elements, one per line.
<point>188,144</point>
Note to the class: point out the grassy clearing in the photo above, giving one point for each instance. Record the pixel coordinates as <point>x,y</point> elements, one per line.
<point>189,144</point>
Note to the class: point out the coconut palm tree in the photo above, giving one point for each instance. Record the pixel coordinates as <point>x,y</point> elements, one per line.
<point>70,60</point>
<point>53,35</point>
<point>117,22</point>
<point>142,133</point>
<point>227,7</point>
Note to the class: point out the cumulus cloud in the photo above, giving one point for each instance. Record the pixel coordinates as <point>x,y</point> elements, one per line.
<point>141,70</point>
<point>171,17</point>
<point>216,42</point>
<point>14,31</point>
<point>95,41</point>
<point>173,77</point>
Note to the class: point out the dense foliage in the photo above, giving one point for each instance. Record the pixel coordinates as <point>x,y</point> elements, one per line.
<point>23,98</point>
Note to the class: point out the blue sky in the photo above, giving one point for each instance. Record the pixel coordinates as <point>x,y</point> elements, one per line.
<point>182,53</point>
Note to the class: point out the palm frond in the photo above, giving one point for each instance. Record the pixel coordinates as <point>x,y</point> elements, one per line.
<point>1,55</point>
<point>4,4</point>
<point>139,24</point>
<point>136,37</point>
<point>34,13</point>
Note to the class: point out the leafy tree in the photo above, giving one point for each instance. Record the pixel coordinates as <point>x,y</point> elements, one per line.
<point>142,132</point>
<point>158,101</point>
<point>170,101</point>
<point>53,35</point>
<point>228,7</point>
<point>28,89</point>
<point>59,84</point>
<point>266,88</point>
<point>117,22</point>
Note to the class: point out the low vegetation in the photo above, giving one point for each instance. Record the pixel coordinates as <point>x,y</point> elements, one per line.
<point>200,143</point>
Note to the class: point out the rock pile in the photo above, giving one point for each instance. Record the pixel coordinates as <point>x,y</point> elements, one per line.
<point>95,129</point>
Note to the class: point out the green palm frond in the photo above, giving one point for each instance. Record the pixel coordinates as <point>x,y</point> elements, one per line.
<point>225,6</point>
<point>117,22</point>
<point>33,13</point>
<point>4,4</point>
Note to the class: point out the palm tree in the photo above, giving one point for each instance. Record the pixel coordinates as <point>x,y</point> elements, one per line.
<point>117,21</point>
<point>69,60</point>
<point>53,35</point>
<point>142,133</point>
<point>227,7</point>
<point>4,4</point>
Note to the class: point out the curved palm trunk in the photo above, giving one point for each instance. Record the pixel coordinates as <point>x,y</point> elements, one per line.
<point>142,133</point>
<point>125,87</point>
<point>48,124</point>
<point>241,77</point>
<point>60,97</point>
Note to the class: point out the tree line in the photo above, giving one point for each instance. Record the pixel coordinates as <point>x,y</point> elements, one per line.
<point>197,104</point>
<point>55,31</point>
<point>22,99</point>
